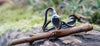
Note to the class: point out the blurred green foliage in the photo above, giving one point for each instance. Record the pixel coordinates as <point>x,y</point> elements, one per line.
<point>26,14</point>
<point>88,8</point>
<point>19,18</point>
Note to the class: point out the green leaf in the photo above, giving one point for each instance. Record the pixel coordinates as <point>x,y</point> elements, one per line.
<point>98,3</point>
<point>82,3</point>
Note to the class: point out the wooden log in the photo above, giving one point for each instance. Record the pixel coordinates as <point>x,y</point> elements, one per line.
<point>58,33</point>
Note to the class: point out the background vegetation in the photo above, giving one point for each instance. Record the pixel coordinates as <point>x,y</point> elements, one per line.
<point>27,14</point>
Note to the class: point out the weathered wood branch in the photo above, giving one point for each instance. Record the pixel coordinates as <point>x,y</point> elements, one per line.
<point>58,33</point>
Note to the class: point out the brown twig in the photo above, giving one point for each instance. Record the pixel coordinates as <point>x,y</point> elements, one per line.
<point>58,33</point>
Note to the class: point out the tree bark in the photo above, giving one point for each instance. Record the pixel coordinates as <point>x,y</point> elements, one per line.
<point>57,33</point>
